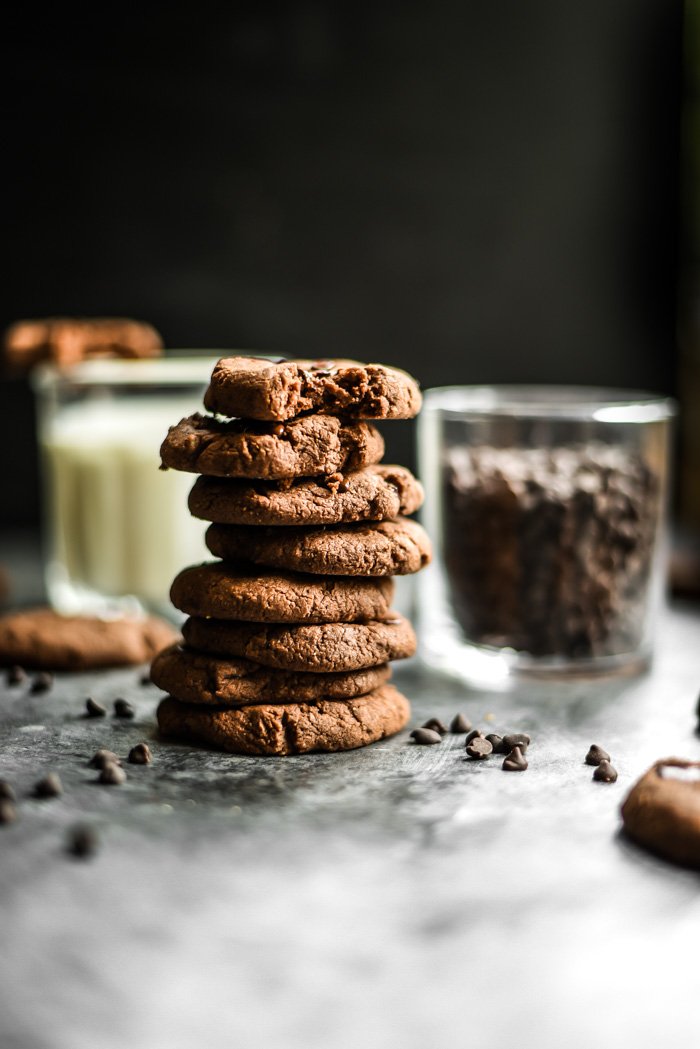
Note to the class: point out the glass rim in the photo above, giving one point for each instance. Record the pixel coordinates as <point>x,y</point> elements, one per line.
<point>176,367</point>
<point>534,401</point>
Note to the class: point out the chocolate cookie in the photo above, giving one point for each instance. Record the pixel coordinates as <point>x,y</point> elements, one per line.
<point>396,547</point>
<point>265,596</point>
<point>306,447</point>
<point>254,388</point>
<point>289,728</point>
<point>319,648</point>
<point>662,811</point>
<point>196,677</point>
<point>42,639</point>
<point>376,493</point>
<point>67,340</point>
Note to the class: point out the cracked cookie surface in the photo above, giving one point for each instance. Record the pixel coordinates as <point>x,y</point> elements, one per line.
<point>375,493</point>
<point>290,728</point>
<point>255,388</point>
<point>305,447</point>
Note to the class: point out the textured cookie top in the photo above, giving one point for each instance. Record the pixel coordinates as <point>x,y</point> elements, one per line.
<point>306,447</point>
<point>376,493</point>
<point>43,639</point>
<point>266,596</point>
<point>321,648</point>
<point>195,677</point>
<point>288,728</point>
<point>380,548</point>
<point>253,388</point>
<point>68,340</point>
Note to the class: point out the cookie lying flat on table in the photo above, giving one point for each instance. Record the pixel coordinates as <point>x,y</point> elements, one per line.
<point>43,639</point>
<point>320,648</point>
<point>266,596</point>
<point>379,548</point>
<point>662,810</point>
<point>194,677</point>
<point>254,388</point>
<point>289,728</point>
<point>376,493</point>
<point>306,447</point>
<point>68,340</point>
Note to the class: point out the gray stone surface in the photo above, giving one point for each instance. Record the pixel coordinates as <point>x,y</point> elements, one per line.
<point>392,896</point>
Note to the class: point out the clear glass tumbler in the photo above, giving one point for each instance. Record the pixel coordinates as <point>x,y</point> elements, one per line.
<point>116,528</point>
<point>546,506</point>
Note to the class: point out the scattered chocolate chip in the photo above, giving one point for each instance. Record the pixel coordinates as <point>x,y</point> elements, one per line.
<point>6,791</point>
<point>145,679</point>
<point>42,682</point>
<point>8,811</point>
<point>94,709</point>
<point>113,775</point>
<point>475,733</point>
<point>515,761</point>
<point>426,736</point>
<point>604,772</point>
<point>516,739</point>
<point>496,742</point>
<point>140,754</point>
<point>596,754</point>
<point>479,748</point>
<point>460,724</point>
<point>436,725</point>
<point>16,675</point>
<point>103,757</point>
<point>123,709</point>
<point>82,842</point>
<point>48,787</point>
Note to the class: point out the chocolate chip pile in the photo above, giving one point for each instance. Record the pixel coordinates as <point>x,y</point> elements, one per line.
<point>291,630</point>
<point>550,551</point>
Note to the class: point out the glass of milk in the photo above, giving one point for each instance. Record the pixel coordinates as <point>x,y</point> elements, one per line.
<point>116,527</point>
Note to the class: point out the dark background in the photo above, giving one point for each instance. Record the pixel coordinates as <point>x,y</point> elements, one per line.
<point>477,191</point>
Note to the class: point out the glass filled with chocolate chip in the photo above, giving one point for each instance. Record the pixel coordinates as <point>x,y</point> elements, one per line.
<point>546,506</point>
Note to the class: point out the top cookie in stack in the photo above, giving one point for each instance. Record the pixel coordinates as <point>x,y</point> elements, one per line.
<point>290,633</point>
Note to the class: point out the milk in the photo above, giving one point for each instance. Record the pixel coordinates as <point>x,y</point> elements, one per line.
<point>118,527</point>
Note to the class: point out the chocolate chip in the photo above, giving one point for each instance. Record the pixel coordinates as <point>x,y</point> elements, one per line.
<point>515,761</point>
<point>604,772</point>
<point>474,734</point>
<point>82,842</point>
<point>496,742</point>
<point>103,757</point>
<point>516,739</point>
<point>426,736</point>
<point>16,675</point>
<point>278,430</point>
<point>479,748</point>
<point>95,709</point>
<point>8,811</point>
<point>48,787</point>
<point>113,775</point>
<point>123,709</point>
<point>436,725</point>
<point>140,754</point>
<point>460,724</point>
<point>42,682</point>
<point>6,791</point>
<point>596,754</point>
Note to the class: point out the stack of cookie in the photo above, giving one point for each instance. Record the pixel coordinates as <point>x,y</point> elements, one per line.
<point>289,634</point>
